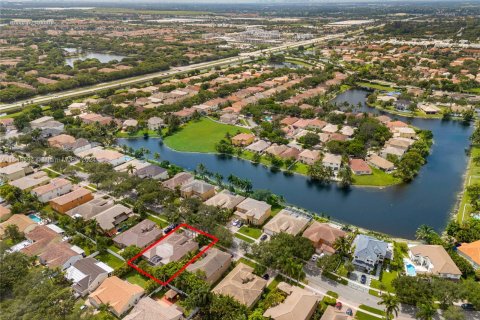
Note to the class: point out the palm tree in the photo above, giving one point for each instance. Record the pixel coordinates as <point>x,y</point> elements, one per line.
<point>218,178</point>
<point>156,156</point>
<point>342,245</point>
<point>424,232</point>
<point>391,304</point>
<point>130,168</point>
<point>201,169</point>
<point>426,311</point>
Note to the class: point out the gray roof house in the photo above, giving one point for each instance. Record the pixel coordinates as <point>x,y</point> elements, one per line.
<point>90,209</point>
<point>87,274</point>
<point>152,171</point>
<point>370,251</point>
<point>141,235</point>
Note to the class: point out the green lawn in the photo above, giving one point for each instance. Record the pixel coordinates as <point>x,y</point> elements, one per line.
<point>247,262</point>
<point>242,237</point>
<point>332,294</point>
<point>474,90</point>
<point>378,178</point>
<point>114,248</point>
<point>250,231</point>
<point>375,86</point>
<point>162,224</point>
<point>372,310</point>
<point>365,316</point>
<point>137,134</point>
<point>200,136</point>
<point>472,176</point>
<point>110,259</point>
<point>136,278</point>
<point>387,278</point>
<point>50,173</point>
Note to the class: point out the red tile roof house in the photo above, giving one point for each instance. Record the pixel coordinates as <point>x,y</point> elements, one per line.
<point>359,167</point>
<point>323,236</point>
<point>57,187</point>
<point>309,156</point>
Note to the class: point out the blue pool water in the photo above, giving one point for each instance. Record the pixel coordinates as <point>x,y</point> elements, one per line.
<point>410,270</point>
<point>34,217</point>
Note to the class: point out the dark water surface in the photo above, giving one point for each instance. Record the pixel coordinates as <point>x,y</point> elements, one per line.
<point>396,210</point>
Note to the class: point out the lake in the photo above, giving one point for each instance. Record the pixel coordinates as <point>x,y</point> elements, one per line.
<point>102,57</point>
<point>396,210</point>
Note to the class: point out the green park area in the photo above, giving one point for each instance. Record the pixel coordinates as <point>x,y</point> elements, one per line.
<point>471,177</point>
<point>200,136</point>
<point>375,86</point>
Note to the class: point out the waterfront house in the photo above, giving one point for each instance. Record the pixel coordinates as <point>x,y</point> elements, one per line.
<point>392,151</point>
<point>155,123</point>
<point>172,248</point>
<point>212,265</point>
<point>129,123</point>
<point>150,309</point>
<point>87,274</point>
<point>434,260</point>
<point>100,154</point>
<point>31,181</point>
<point>71,200</point>
<point>309,156</point>
<point>286,221</point>
<point>369,252</point>
<point>275,149</point>
<point>471,252</point>
<point>380,163</point>
<point>178,180</point>
<point>253,211</point>
<point>359,167</point>
<point>141,235</point>
<point>300,304</point>
<point>243,139</point>
<point>323,236</point>
<point>197,189</point>
<point>332,161</point>
<point>225,199</point>
<point>118,294</point>
<point>57,187</point>
<point>153,172</point>
<point>242,285</point>
<point>258,146</point>
<point>404,132</point>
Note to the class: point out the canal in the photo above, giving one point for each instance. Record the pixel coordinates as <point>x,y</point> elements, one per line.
<point>396,210</point>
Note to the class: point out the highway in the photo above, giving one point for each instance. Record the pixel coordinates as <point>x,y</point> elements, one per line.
<point>244,57</point>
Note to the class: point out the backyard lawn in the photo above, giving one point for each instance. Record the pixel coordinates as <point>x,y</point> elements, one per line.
<point>200,136</point>
<point>161,223</point>
<point>387,278</point>
<point>378,178</point>
<point>250,231</point>
<point>110,259</point>
<point>136,278</point>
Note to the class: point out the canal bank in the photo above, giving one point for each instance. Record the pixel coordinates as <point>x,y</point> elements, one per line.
<point>397,210</point>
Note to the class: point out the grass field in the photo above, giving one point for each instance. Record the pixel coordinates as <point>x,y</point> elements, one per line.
<point>161,223</point>
<point>200,136</point>
<point>110,259</point>
<point>372,310</point>
<point>365,316</point>
<point>474,90</point>
<point>387,278</point>
<point>242,237</point>
<point>250,231</point>
<point>138,134</point>
<point>376,86</point>
<point>472,176</point>
<point>378,178</point>
<point>136,278</point>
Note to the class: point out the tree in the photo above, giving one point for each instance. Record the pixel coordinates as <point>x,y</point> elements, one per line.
<point>12,233</point>
<point>130,252</point>
<point>391,304</point>
<point>342,246</point>
<point>426,310</point>
<point>346,177</point>
<point>424,232</point>
<point>319,172</point>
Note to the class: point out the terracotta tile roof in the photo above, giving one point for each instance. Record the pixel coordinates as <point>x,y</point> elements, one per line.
<point>471,250</point>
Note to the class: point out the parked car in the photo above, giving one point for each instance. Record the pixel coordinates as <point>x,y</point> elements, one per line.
<point>264,237</point>
<point>468,307</point>
<point>363,279</point>
<point>315,257</point>
<point>235,222</point>
<point>349,312</point>
<point>339,305</point>
<point>266,276</point>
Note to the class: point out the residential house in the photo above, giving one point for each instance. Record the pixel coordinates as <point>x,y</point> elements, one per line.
<point>400,143</point>
<point>225,199</point>
<point>428,108</point>
<point>4,213</point>
<point>120,295</point>
<point>275,149</point>
<point>471,252</point>
<point>57,187</point>
<point>258,146</point>
<point>178,180</point>
<point>369,252</point>
<point>391,151</point>
<point>434,260</point>
<point>46,243</point>
<point>91,208</point>
<point>140,235</point>
<point>47,123</point>
<point>242,285</point>
<point>112,157</point>
<point>133,165</point>
<point>71,200</point>
<point>290,153</point>
<point>15,171</point>
<point>286,221</point>
<point>172,248</point>
<point>309,156</point>
<point>31,181</point>
<point>62,141</point>
<point>332,161</point>
<point>332,313</point>
<point>155,123</point>
<point>153,172</point>
<point>253,211</point>
<point>129,123</point>
<point>87,274</point>
<point>150,309</point>
<point>111,218</point>
<point>229,118</point>
<point>243,139</point>
<point>359,167</point>
<point>330,128</point>
<point>79,146</point>
<point>323,236</point>
<point>299,304</point>
<point>213,264</point>
<point>402,104</point>
<point>23,222</point>
<point>404,132</point>
<point>6,160</point>
<point>380,163</point>
<point>198,189</point>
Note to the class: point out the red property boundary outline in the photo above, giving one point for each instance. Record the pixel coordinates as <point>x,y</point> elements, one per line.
<point>176,274</point>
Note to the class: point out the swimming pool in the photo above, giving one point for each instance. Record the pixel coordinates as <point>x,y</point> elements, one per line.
<point>35,218</point>
<point>410,269</point>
